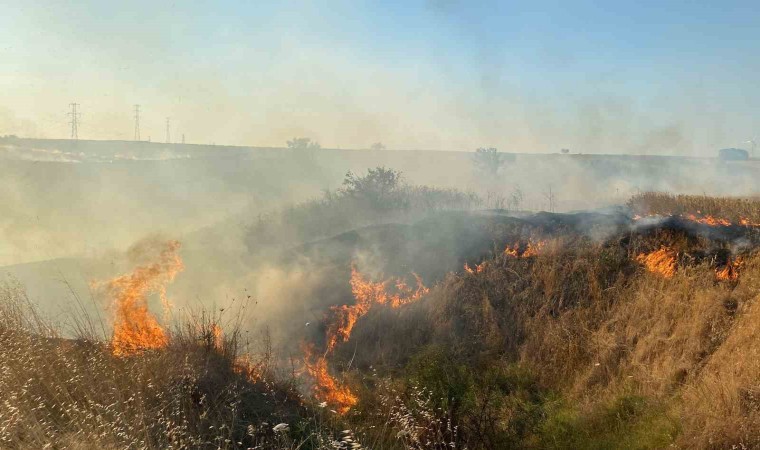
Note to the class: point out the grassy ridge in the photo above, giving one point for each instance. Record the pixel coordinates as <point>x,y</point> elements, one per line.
<point>581,347</point>
<point>577,346</point>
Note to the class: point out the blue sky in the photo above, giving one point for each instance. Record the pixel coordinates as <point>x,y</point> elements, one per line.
<point>649,77</point>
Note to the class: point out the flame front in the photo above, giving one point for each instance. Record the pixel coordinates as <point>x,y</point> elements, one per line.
<point>135,328</point>
<point>533,248</point>
<point>710,220</point>
<point>706,219</point>
<point>662,261</point>
<point>513,251</point>
<point>327,388</point>
<point>367,293</point>
<point>478,269</point>
<point>730,271</point>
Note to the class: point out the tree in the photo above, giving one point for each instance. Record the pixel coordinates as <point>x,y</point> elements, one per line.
<point>377,146</point>
<point>516,199</point>
<point>488,161</point>
<point>303,144</point>
<point>380,187</point>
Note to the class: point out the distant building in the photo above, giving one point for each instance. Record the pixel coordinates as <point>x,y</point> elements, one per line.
<point>733,154</point>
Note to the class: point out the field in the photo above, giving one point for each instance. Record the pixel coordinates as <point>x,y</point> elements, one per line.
<point>428,323</point>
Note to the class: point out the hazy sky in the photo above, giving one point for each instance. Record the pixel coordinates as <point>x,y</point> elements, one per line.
<point>654,77</point>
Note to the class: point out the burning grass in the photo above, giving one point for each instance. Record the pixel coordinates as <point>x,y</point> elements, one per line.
<point>326,387</point>
<point>723,211</point>
<point>599,344</point>
<point>641,339</point>
<point>64,393</point>
<point>135,328</point>
<point>662,262</point>
<point>366,294</point>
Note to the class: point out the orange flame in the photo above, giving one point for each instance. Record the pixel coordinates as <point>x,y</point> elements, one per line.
<point>513,251</point>
<point>730,271</point>
<point>662,261</point>
<point>242,364</point>
<point>215,337</point>
<point>534,248</point>
<point>327,388</point>
<point>707,219</point>
<point>246,367</point>
<point>478,269</point>
<point>367,293</point>
<point>135,328</point>
<point>745,222</point>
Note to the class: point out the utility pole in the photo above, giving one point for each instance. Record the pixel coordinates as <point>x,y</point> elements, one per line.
<point>183,138</point>
<point>74,120</point>
<point>168,135</point>
<point>137,122</point>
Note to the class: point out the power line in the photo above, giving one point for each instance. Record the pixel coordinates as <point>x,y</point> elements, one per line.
<point>75,115</point>
<point>137,122</point>
<point>168,135</point>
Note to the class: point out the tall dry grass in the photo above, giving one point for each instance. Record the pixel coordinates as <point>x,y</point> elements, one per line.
<point>75,394</point>
<point>731,208</point>
<point>577,346</point>
<point>609,345</point>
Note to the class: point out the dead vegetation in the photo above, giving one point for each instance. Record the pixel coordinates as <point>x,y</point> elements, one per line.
<point>560,339</point>
<point>609,353</point>
<point>734,209</point>
<point>76,394</point>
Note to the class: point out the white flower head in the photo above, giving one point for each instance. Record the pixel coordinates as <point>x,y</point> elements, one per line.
<point>281,428</point>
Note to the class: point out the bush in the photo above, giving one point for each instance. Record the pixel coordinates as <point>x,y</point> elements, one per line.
<point>380,196</point>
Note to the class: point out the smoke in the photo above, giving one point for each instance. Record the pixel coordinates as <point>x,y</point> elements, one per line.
<point>11,124</point>
<point>266,76</point>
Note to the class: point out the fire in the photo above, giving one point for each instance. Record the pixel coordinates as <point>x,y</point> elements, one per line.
<point>478,269</point>
<point>368,293</point>
<point>534,248</point>
<point>730,271</point>
<point>246,367</point>
<point>745,222</point>
<point>215,337</point>
<point>135,328</point>
<point>708,220</point>
<point>326,387</point>
<point>662,261</point>
<point>513,251</point>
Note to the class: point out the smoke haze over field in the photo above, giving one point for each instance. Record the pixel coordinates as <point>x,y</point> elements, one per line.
<point>443,76</point>
<point>419,75</point>
<point>397,225</point>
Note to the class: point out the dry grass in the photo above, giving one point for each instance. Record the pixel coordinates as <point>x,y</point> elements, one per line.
<point>578,346</point>
<point>593,326</point>
<point>732,208</point>
<point>74,394</point>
